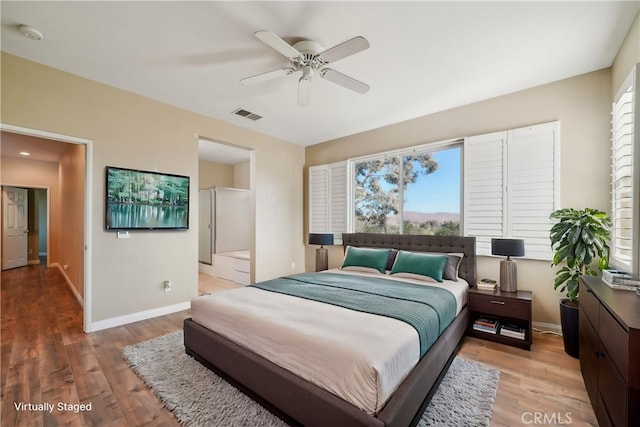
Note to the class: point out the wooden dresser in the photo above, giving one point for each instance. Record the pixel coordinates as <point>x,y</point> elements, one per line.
<point>610,352</point>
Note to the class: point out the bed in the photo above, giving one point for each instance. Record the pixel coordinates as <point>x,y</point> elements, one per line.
<point>301,400</point>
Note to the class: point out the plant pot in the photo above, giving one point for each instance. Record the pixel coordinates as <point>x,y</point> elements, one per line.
<point>569,317</point>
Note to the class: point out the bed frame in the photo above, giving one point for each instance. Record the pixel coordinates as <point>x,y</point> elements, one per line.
<point>299,402</point>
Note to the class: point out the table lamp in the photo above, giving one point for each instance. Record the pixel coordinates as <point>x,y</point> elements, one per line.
<point>322,254</point>
<point>508,272</point>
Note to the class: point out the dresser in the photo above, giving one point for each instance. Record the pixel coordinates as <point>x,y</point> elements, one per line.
<point>610,351</point>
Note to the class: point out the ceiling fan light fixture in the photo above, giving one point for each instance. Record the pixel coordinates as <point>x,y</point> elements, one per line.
<point>307,57</point>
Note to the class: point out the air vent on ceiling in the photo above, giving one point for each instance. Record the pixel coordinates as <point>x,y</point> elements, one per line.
<point>247,114</point>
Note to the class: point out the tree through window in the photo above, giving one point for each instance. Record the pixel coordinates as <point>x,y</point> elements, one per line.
<point>416,193</point>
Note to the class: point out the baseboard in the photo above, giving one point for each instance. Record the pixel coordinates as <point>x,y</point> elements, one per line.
<point>33,262</point>
<point>547,327</point>
<point>70,283</point>
<point>136,317</point>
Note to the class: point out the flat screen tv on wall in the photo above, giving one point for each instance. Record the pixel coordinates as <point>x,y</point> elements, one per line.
<point>144,200</point>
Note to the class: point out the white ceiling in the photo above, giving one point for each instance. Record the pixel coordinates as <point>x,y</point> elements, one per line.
<point>222,153</point>
<point>424,57</point>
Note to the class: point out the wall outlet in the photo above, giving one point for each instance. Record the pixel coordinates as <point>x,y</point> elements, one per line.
<point>65,267</point>
<point>293,265</point>
<point>30,251</point>
<point>167,285</point>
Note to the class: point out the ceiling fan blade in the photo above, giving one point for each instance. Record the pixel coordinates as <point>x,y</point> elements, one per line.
<point>275,42</point>
<point>344,80</point>
<point>304,92</point>
<point>350,47</point>
<point>269,75</point>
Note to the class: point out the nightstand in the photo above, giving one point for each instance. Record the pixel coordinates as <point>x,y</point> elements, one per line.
<point>506,307</point>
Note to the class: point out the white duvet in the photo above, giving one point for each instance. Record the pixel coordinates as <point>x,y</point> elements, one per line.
<point>359,357</point>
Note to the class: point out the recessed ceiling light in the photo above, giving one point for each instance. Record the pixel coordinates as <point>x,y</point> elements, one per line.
<point>30,32</point>
<point>25,153</point>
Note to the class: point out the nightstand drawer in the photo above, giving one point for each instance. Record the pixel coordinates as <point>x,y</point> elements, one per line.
<point>500,306</point>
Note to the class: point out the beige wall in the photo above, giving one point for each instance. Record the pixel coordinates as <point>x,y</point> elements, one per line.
<point>581,103</point>
<point>72,183</point>
<point>36,174</point>
<point>627,57</point>
<point>128,130</point>
<point>241,175</point>
<point>212,174</point>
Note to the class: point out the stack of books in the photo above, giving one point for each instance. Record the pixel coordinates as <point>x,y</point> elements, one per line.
<point>620,280</point>
<point>513,331</point>
<point>487,285</point>
<point>484,324</point>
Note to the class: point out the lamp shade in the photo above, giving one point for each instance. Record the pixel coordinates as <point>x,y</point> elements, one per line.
<point>507,247</point>
<point>320,239</point>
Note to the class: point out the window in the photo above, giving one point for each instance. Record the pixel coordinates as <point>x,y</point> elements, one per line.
<point>512,186</point>
<point>625,215</point>
<point>410,192</point>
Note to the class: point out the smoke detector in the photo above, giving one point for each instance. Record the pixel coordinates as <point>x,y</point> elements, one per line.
<point>30,32</point>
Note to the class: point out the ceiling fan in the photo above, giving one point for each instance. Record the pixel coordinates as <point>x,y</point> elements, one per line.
<point>309,58</point>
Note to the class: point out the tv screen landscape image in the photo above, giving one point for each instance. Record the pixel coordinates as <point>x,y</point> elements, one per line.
<point>144,200</point>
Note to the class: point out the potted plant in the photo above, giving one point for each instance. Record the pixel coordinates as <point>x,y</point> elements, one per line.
<point>579,238</point>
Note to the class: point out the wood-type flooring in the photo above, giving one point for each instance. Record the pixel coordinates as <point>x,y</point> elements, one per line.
<point>46,357</point>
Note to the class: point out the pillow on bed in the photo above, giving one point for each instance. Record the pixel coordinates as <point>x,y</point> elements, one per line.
<point>429,265</point>
<point>361,269</point>
<point>366,257</point>
<point>415,276</point>
<point>452,266</point>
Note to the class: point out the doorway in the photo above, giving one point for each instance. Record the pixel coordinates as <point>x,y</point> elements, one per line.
<point>226,236</point>
<point>15,228</point>
<point>61,175</point>
<point>25,226</point>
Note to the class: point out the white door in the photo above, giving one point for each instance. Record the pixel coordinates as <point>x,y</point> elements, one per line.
<point>14,227</point>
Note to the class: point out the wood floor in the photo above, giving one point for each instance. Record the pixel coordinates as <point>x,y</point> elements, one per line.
<point>45,357</point>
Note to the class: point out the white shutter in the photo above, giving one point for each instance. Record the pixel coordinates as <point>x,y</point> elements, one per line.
<point>318,199</point>
<point>532,187</point>
<point>483,189</point>
<point>328,199</point>
<point>511,187</point>
<point>338,200</point>
<point>622,168</point>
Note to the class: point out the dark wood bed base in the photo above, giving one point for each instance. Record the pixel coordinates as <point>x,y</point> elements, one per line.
<point>300,402</point>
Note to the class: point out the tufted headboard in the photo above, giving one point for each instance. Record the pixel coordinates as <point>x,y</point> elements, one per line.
<point>417,243</point>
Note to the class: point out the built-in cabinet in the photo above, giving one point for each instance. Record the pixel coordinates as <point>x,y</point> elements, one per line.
<point>610,352</point>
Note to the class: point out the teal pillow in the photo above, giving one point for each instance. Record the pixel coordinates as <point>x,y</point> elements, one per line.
<point>422,264</point>
<point>366,257</point>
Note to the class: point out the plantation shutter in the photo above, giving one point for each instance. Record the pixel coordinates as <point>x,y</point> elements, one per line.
<point>328,199</point>
<point>484,191</point>
<point>318,199</point>
<point>512,186</point>
<point>338,200</point>
<point>531,190</point>
<point>623,211</point>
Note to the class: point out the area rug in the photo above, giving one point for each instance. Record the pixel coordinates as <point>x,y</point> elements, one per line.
<point>199,397</point>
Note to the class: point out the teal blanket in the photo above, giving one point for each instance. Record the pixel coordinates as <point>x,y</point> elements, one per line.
<point>429,310</point>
